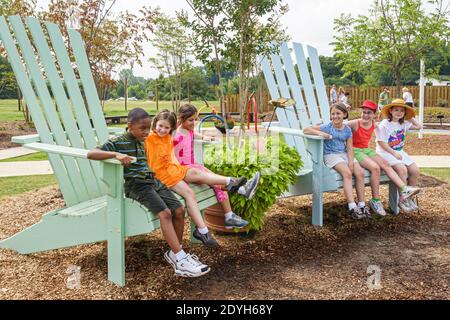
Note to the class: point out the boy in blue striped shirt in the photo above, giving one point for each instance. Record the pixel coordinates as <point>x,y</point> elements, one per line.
<point>142,186</point>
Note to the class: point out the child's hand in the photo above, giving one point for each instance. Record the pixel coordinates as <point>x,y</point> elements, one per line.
<point>208,138</point>
<point>327,136</point>
<point>124,159</point>
<point>398,156</point>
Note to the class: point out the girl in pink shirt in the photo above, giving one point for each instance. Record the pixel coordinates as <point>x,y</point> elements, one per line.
<point>183,143</point>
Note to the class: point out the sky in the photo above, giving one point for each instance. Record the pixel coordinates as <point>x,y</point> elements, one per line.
<point>308,21</point>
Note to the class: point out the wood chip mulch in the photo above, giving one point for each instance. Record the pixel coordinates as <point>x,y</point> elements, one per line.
<point>288,259</point>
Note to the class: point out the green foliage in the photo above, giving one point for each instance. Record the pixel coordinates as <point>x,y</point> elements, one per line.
<point>8,84</point>
<point>38,156</point>
<point>274,180</point>
<point>396,34</point>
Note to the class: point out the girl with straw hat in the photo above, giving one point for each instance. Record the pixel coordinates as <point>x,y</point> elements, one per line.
<point>390,138</point>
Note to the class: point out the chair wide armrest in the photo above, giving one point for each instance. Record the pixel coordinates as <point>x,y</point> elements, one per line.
<point>295,132</point>
<point>66,151</point>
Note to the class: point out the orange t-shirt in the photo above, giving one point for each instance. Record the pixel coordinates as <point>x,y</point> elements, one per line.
<point>162,160</point>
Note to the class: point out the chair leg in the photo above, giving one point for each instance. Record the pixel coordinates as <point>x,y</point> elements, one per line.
<point>116,244</point>
<point>317,209</point>
<point>393,198</point>
<point>116,260</point>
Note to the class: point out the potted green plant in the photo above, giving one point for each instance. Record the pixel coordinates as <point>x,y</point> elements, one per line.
<point>275,179</point>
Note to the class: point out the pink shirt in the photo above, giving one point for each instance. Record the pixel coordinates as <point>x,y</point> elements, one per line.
<point>184,147</point>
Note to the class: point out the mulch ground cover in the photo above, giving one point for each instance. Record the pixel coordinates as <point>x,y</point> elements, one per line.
<point>288,259</point>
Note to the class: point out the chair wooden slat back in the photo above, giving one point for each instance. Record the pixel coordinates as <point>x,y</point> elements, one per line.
<point>58,110</point>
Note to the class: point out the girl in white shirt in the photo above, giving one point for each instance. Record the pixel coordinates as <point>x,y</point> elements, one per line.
<point>391,136</point>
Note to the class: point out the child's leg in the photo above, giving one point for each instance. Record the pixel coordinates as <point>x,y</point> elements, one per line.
<point>390,172</point>
<point>168,230</point>
<point>358,172</point>
<point>183,189</point>
<point>197,176</point>
<point>178,223</point>
<point>346,174</point>
<point>374,168</point>
<point>413,174</point>
<point>402,172</point>
<point>157,198</point>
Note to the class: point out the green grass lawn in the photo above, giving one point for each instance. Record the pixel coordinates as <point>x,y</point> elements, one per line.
<point>439,173</point>
<point>10,112</point>
<point>10,186</point>
<point>38,156</point>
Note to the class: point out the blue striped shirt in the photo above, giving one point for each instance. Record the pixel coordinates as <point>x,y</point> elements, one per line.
<point>128,145</point>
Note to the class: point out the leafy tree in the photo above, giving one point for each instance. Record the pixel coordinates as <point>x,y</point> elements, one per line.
<point>209,28</point>
<point>8,84</point>
<point>110,41</point>
<point>172,41</point>
<point>396,34</point>
<point>255,25</point>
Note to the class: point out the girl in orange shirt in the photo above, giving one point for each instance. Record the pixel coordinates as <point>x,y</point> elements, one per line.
<point>161,158</point>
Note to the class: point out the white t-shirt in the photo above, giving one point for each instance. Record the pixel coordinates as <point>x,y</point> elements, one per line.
<point>407,96</point>
<point>393,133</point>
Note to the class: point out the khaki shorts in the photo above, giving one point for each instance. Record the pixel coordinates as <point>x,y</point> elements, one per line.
<point>331,160</point>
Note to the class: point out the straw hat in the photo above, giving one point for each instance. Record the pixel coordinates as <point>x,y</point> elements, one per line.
<point>409,111</point>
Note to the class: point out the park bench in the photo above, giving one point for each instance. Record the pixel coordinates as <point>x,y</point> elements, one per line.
<point>96,209</point>
<point>281,77</point>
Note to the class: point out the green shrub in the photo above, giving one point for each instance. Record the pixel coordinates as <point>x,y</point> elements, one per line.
<point>278,171</point>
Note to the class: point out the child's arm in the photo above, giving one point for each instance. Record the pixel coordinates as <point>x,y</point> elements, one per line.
<point>97,154</point>
<point>415,124</point>
<point>315,131</point>
<point>202,136</point>
<point>353,124</point>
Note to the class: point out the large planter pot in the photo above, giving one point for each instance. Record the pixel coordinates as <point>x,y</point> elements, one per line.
<point>214,220</point>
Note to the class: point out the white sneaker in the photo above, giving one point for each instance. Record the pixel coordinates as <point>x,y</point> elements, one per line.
<point>404,206</point>
<point>412,205</point>
<point>409,192</point>
<point>377,207</point>
<point>190,266</point>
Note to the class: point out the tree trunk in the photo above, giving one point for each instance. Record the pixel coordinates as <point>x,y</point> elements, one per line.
<point>242,96</point>
<point>398,83</point>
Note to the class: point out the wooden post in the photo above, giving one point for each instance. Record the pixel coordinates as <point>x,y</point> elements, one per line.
<point>126,94</point>
<point>157,95</point>
<point>421,96</point>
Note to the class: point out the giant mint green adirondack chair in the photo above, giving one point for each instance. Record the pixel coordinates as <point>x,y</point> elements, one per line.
<point>282,81</point>
<point>93,190</point>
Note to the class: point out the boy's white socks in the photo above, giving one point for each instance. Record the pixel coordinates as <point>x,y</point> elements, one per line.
<point>351,206</point>
<point>361,204</point>
<point>180,255</point>
<point>203,230</point>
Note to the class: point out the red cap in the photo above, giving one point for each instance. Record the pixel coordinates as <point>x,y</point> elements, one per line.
<point>369,104</point>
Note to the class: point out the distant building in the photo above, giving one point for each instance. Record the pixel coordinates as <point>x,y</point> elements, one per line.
<point>442,81</point>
